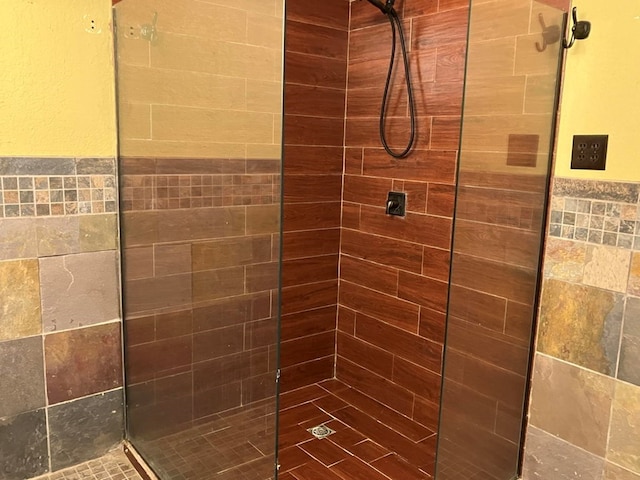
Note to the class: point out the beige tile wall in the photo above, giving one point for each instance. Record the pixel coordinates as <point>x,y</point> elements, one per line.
<point>209,85</point>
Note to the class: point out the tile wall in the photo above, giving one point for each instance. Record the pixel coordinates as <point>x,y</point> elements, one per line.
<point>200,140</point>
<point>394,271</point>
<point>585,402</point>
<point>316,68</point>
<point>61,399</point>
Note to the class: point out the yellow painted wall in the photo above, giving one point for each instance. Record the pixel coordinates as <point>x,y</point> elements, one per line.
<point>601,93</point>
<point>56,78</point>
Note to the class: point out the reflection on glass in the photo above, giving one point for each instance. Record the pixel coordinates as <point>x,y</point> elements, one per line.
<point>200,101</point>
<point>505,153</point>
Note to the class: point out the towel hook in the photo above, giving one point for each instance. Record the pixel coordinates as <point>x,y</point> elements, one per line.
<point>579,31</point>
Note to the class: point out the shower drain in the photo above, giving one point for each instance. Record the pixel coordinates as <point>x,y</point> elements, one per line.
<point>321,431</point>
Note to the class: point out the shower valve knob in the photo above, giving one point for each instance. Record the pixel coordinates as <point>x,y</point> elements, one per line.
<point>396,204</point>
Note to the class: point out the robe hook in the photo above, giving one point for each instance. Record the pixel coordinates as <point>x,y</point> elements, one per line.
<point>579,31</point>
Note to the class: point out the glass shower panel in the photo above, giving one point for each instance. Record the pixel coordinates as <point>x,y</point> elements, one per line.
<point>200,111</point>
<point>505,155</point>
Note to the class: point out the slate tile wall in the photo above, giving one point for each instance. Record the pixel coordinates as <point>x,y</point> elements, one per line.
<point>60,340</point>
<point>585,399</point>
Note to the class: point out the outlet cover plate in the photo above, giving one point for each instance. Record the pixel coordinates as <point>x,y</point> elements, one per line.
<point>589,152</point>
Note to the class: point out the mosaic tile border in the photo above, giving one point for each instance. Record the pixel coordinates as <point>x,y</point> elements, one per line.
<point>113,466</point>
<point>42,187</point>
<point>158,192</point>
<point>602,213</point>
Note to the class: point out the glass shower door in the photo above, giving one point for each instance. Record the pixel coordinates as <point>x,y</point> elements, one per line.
<point>508,123</point>
<point>200,106</point>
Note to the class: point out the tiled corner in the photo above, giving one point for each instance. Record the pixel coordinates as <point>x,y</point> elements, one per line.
<point>79,290</point>
<point>21,376</point>
<point>581,324</point>
<point>23,443</point>
<point>580,415</point>
<point>625,432</point>
<point>630,347</point>
<point>548,457</point>
<point>19,299</point>
<point>83,361</point>
<point>86,428</point>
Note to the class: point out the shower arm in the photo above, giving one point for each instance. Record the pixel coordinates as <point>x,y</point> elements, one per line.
<point>385,8</point>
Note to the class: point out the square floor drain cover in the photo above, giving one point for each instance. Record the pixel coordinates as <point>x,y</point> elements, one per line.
<point>321,431</point>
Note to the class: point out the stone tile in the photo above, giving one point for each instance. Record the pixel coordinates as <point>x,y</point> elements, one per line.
<point>624,438</point>
<point>58,235</point>
<point>96,166</point>
<point>607,267</point>
<point>79,290</point>
<point>37,166</point>
<point>21,376</point>
<point>614,472</point>
<point>18,238</point>
<point>82,362</point>
<point>23,443</point>
<point>629,370</point>
<point>581,324</point>
<point>98,232</point>
<point>633,287</point>
<point>19,299</point>
<point>85,428</point>
<point>603,191</point>
<point>571,403</point>
<point>549,458</point>
<point>564,260</point>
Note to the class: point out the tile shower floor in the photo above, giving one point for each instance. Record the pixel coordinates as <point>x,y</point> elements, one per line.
<point>371,442</point>
<point>112,466</point>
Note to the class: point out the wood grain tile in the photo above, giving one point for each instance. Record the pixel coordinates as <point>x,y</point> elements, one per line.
<point>305,373</point>
<point>351,215</point>
<point>314,101</point>
<point>432,325</point>
<point>386,308</point>
<point>421,381</point>
<point>361,353</point>
<point>445,133</point>
<point>333,13</point>
<point>311,216</point>
<point>396,468</point>
<point>310,243</point>
<point>436,263</point>
<point>309,296</point>
<point>399,342</point>
<point>354,469</point>
<point>440,29</point>
<point>312,188</point>
<point>369,274</point>
<point>309,270</point>
<point>315,40</point>
<point>365,132</point>
<point>325,451</point>
<point>308,323</point>
<point>312,70</point>
<point>423,165</point>
<point>346,320</point>
<point>424,291</point>
<point>309,130</point>
<point>311,160</point>
<point>305,349</point>
<point>385,251</point>
<point>384,390</point>
<point>367,190</point>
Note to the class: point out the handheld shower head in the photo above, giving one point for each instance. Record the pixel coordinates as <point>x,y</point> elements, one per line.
<point>385,8</point>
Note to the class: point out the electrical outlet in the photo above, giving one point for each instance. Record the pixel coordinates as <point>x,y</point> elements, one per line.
<point>589,152</point>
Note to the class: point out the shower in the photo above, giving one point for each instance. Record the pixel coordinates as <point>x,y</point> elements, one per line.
<point>396,30</point>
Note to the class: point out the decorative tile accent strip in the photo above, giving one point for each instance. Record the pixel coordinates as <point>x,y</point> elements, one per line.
<point>159,184</point>
<point>42,187</point>
<point>605,213</point>
<point>112,466</point>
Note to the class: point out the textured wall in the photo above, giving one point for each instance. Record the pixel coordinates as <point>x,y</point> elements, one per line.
<point>60,345</point>
<point>394,271</point>
<point>316,56</point>
<point>585,401</point>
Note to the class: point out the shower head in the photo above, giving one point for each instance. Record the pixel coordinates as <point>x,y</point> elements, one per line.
<point>385,7</point>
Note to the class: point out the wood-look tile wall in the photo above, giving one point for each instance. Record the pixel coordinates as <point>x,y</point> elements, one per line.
<point>501,199</point>
<point>394,271</point>
<point>315,76</point>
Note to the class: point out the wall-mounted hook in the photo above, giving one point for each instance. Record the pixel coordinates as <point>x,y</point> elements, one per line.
<point>579,31</point>
<point>550,34</point>
<point>149,31</point>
